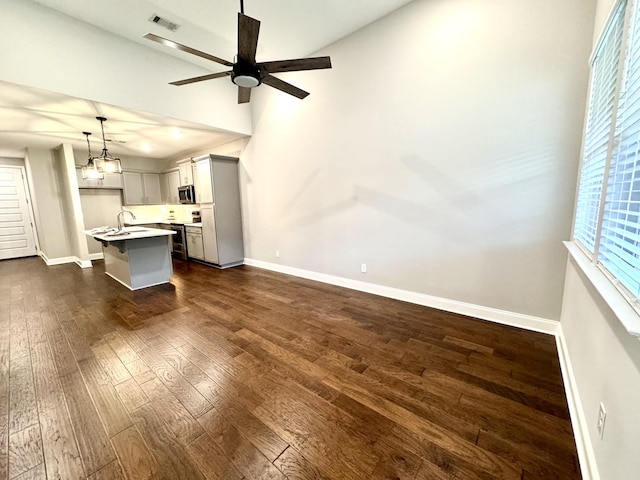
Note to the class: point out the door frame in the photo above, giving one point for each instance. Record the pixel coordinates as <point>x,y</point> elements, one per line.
<point>27,192</point>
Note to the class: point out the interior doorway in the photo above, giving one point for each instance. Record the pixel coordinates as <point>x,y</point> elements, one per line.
<point>17,236</point>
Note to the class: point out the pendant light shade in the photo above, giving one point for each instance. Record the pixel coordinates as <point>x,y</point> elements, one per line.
<point>90,170</point>
<point>105,162</point>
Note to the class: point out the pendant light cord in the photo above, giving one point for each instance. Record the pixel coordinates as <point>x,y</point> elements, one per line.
<point>86,134</point>
<point>242,7</point>
<point>88,144</point>
<point>104,142</point>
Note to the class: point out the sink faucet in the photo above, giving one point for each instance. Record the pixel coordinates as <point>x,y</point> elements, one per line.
<point>119,218</point>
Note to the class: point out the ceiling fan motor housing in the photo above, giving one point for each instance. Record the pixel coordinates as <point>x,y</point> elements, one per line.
<point>246,75</point>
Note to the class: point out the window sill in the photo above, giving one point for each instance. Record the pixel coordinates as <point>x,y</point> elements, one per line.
<point>610,294</point>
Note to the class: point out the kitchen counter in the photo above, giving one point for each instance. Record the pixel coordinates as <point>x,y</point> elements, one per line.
<point>138,257</point>
<point>129,233</point>
<point>161,222</point>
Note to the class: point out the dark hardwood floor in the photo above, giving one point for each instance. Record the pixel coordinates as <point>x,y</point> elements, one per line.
<point>250,374</point>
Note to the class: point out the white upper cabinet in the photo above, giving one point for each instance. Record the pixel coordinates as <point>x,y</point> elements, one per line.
<point>133,189</point>
<point>152,191</point>
<point>110,180</point>
<point>141,188</point>
<point>203,184</point>
<point>186,173</point>
<point>171,183</point>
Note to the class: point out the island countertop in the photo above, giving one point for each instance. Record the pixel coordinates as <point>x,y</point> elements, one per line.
<point>137,257</point>
<point>131,233</point>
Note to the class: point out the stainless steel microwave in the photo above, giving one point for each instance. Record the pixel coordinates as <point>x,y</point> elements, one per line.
<point>187,194</point>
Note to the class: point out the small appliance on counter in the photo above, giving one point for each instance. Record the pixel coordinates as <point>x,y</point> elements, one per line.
<point>196,217</point>
<point>187,194</point>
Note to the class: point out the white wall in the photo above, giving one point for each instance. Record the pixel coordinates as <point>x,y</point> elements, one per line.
<point>605,362</point>
<point>71,206</point>
<point>10,161</point>
<point>441,150</point>
<point>100,207</point>
<point>45,49</point>
<point>140,164</point>
<point>47,193</point>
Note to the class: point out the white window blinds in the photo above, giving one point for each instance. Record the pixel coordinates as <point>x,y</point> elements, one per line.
<point>604,79</point>
<point>619,250</point>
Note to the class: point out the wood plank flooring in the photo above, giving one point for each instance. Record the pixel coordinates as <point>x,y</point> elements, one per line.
<point>250,374</point>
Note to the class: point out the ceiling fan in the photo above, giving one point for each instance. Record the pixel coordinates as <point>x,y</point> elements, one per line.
<point>246,73</point>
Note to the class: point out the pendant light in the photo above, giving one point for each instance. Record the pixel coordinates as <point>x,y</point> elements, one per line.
<point>90,170</point>
<point>105,162</point>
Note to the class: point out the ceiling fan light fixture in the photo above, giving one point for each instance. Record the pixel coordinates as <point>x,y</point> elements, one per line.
<point>246,72</point>
<point>246,81</point>
<point>245,75</point>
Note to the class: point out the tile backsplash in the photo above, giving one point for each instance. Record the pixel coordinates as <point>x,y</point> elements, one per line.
<point>162,213</point>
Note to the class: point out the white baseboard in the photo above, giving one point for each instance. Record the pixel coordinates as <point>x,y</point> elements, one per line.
<point>62,260</point>
<point>57,261</point>
<point>84,263</point>
<point>584,446</point>
<point>504,317</point>
<point>96,256</point>
<point>586,455</point>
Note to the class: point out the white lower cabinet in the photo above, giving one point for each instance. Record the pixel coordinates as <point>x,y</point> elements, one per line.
<point>195,247</point>
<point>209,240</point>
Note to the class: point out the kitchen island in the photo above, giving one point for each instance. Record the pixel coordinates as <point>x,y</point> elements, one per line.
<point>136,257</point>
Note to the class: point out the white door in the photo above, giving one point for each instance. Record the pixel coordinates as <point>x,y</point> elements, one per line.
<point>16,231</point>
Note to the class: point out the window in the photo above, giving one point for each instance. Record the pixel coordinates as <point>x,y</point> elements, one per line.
<point>607,223</point>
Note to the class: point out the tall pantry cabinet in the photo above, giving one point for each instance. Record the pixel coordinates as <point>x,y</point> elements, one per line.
<point>217,187</point>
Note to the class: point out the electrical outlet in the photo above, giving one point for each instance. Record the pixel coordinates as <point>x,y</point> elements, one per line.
<point>277,253</point>
<point>602,416</point>
<point>363,268</point>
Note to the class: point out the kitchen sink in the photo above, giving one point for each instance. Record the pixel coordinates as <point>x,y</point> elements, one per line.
<point>125,231</point>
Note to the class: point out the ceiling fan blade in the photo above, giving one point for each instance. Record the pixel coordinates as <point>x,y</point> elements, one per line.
<point>248,30</point>
<point>284,86</point>
<point>315,63</point>
<point>201,78</point>
<point>244,95</point>
<point>184,48</point>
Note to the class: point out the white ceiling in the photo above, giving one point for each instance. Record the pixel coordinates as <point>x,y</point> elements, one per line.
<point>289,29</point>
<point>36,118</point>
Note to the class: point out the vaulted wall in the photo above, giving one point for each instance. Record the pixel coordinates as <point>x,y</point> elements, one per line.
<point>441,151</point>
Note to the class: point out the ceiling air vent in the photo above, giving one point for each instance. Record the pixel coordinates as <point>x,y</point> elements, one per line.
<point>164,22</point>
